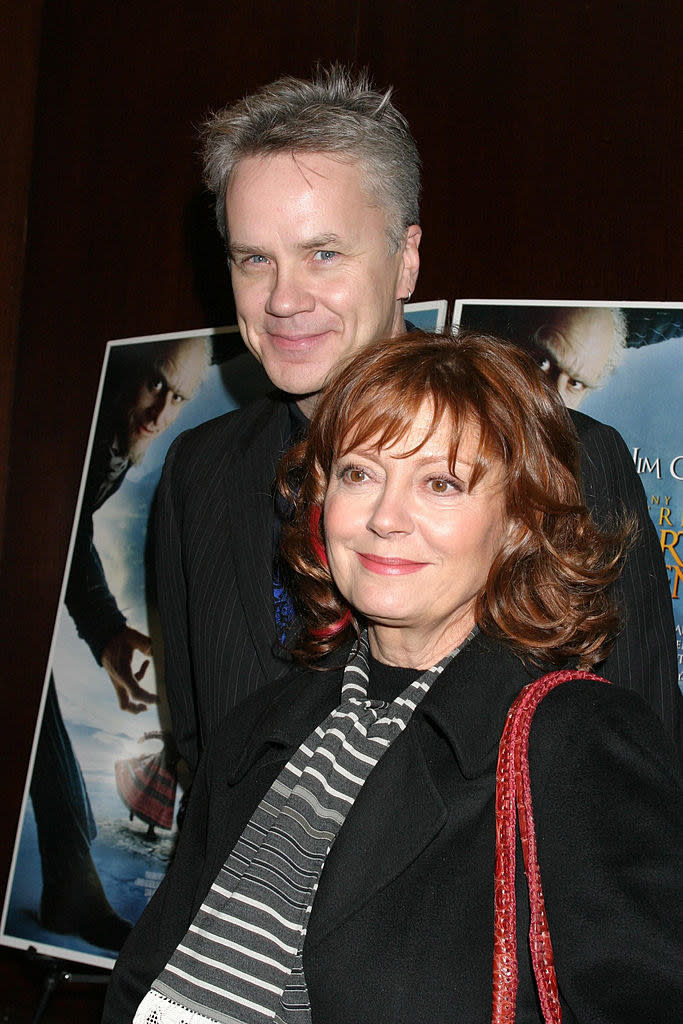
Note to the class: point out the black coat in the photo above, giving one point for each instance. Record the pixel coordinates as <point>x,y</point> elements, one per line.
<point>214,540</point>
<point>401,929</point>
<point>90,602</point>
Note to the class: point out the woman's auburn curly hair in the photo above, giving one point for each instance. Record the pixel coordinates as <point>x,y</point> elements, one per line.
<point>547,593</point>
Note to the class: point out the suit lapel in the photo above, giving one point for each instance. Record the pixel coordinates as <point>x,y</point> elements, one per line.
<point>249,489</point>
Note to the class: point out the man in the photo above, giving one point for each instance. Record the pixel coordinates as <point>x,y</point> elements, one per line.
<point>578,347</point>
<point>317,188</point>
<point>144,395</point>
<point>149,385</point>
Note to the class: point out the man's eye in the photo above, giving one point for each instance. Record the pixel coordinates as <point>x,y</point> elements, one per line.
<point>156,384</point>
<point>254,259</point>
<point>575,385</point>
<point>544,363</point>
<point>324,255</point>
<point>177,399</point>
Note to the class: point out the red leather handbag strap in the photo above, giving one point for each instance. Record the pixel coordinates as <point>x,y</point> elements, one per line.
<point>513,798</point>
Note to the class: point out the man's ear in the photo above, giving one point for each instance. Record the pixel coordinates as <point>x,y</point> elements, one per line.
<point>411,262</point>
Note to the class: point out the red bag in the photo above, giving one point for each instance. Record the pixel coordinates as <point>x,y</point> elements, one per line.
<point>513,797</point>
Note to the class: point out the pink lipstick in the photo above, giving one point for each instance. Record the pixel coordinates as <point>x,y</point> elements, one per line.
<point>389,566</point>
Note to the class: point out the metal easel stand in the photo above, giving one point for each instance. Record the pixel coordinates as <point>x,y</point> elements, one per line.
<point>56,974</point>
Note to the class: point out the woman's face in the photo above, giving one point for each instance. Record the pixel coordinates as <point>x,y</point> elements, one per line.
<point>408,546</point>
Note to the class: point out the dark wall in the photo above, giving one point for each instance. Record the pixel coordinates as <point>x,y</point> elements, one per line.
<point>19,41</point>
<point>552,154</point>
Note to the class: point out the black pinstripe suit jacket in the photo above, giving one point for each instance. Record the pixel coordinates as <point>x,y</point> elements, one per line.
<point>214,569</point>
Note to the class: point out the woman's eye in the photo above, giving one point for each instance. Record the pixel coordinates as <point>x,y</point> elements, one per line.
<point>354,475</point>
<point>443,485</point>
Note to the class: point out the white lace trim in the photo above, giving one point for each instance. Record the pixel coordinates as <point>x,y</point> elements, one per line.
<point>157,1009</point>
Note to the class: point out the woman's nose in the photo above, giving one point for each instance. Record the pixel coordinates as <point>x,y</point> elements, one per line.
<point>391,513</point>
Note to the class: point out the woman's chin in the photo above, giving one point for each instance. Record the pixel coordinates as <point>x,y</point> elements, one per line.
<point>390,618</point>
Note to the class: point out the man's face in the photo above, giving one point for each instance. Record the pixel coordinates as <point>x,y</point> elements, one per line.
<point>312,273</point>
<point>159,396</point>
<point>574,349</point>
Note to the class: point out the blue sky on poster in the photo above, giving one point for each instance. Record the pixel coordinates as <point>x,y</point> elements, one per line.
<point>642,399</point>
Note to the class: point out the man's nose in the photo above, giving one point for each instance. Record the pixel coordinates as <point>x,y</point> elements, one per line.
<point>291,292</point>
<point>162,410</point>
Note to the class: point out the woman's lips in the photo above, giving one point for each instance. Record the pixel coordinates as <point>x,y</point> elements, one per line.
<point>389,566</point>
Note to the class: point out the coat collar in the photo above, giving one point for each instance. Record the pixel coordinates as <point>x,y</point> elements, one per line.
<point>282,714</point>
<point>470,702</point>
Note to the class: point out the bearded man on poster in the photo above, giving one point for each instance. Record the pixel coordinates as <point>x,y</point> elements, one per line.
<point>317,187</point>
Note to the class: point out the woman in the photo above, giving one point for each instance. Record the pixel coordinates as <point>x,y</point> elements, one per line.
<point>338,851</point>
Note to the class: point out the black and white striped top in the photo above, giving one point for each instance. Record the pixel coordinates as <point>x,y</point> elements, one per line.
<point>241,960</point>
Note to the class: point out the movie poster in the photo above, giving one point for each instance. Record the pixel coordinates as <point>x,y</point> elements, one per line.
<point>98,819</point>
<point>428,316</point>
<point>621,363</point>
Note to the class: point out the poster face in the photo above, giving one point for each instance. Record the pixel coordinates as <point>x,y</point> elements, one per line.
<point>623,365</point>
<point>98,819</point>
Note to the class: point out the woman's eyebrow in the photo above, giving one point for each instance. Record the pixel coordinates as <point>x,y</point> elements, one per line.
<point>424,460</point>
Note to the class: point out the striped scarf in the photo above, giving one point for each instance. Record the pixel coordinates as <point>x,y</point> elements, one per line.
<point>241,960</point>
